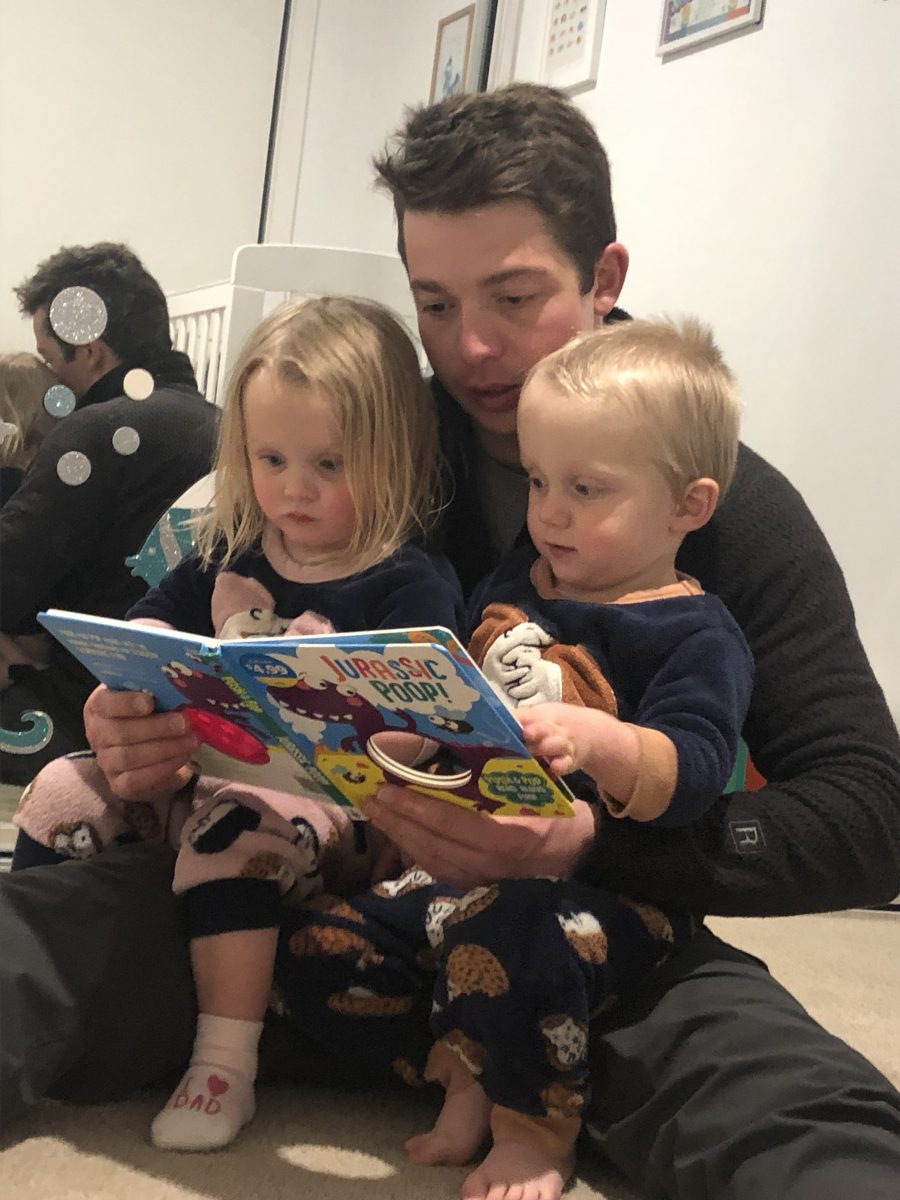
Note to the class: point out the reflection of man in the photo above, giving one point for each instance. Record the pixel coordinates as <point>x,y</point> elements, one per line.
<point>103,476</point>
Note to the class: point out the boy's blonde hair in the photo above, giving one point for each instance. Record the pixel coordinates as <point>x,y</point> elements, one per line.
<point>670,375</point>
<point>356,353</point>
<point>24,381</point>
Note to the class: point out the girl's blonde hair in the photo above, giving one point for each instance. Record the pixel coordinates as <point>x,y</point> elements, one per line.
<point>670,375</point>
<point>24,381</point>
<point>357,354</point>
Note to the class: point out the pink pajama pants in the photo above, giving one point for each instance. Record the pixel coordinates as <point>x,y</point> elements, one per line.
<point>243,850</point>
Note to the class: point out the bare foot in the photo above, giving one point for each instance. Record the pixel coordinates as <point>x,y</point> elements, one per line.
<point>513,1171</point>
<point>461,1127</point>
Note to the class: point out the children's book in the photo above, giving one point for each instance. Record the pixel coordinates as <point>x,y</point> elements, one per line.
<point>332,715</point>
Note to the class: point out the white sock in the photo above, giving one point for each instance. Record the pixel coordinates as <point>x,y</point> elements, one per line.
<point>214,1099</point>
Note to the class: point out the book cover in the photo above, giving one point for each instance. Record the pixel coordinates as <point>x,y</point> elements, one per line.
<point>332,715</point>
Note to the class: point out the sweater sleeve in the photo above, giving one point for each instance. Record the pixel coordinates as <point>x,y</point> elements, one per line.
<point>182,598</point>
<point>697,700</point>
<point>824,833</point>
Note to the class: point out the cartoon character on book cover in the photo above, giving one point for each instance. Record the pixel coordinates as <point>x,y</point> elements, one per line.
<point>348,706</point>
<point>312,714</point>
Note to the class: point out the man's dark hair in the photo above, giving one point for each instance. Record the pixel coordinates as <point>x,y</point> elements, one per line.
<point>522,142</point>
<point>137,316</point>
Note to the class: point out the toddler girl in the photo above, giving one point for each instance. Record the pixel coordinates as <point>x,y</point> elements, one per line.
<point>326,468</point>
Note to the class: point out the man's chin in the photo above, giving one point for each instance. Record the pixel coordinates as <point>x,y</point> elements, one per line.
<point>495,423</point>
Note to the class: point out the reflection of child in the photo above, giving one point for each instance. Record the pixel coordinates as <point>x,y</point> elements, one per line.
<point>24,423</point>
<point>326,467</point>
<point>619,669</point>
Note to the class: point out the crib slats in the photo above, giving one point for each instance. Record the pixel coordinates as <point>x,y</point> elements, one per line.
<point>197,327</point>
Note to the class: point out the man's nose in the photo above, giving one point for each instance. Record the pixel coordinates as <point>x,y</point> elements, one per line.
<point>477,341</point>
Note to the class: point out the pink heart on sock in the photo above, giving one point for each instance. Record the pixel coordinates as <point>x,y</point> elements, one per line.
<point>217,1086</point>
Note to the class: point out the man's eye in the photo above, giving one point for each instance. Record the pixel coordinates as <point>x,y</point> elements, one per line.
<point>515,301</point>
<point>535,484</point>
<point>434,309</point>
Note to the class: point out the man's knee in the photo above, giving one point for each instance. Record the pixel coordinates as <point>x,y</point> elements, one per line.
<point>715,1064</point>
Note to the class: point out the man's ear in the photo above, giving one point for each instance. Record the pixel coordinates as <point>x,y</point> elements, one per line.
<point>609,279</point>
<point>696,505</point>
<point>99,357</point>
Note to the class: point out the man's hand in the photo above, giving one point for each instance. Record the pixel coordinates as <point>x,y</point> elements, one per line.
<point>467,849</point>
<point>142,753</point>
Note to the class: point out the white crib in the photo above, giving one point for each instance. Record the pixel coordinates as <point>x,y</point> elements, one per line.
<point>210,323</point>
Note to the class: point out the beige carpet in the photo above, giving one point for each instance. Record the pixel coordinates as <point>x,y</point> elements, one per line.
<point>334,1146</point>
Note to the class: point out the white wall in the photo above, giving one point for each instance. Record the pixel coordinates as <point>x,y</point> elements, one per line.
<point>145,121</point>
<point>757,183</point>
<point>353,66</point>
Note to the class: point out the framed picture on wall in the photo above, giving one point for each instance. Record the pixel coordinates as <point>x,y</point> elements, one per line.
<point>571,49</point>
<point>462,50</point>
<point>452,49</point>
<point>686,23</point>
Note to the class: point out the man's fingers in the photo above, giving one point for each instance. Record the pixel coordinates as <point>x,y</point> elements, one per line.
<point>104,702</point>
<point>453,843</point>
<point>147,783</point>
<point>135,756</point>
<point>131,731</point>
<point>447,841</point>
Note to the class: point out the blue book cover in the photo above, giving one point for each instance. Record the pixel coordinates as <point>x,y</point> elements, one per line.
<point>333,715</point>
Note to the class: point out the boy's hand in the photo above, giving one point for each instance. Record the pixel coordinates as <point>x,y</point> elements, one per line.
<point>566,735</point>
<point>549,740</point>
<point>572,738</point>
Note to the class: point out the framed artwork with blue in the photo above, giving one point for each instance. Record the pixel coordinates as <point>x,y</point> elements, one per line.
<point>462,50</point>
<point>686,23</point>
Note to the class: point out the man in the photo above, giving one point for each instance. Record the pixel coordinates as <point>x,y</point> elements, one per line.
<point>102,477</point>
<point>713,1082</point>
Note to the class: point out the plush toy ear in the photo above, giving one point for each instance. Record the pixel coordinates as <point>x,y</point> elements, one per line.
<point>697,504</point>
<point>496,620</point>
<point>235,594</point>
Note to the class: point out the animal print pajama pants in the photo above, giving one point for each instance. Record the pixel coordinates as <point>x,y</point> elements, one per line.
<point>508,976</point>
<point>243,851</point>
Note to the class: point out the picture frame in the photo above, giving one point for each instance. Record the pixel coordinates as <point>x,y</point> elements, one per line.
<point>687,23</point>
<point>450,73</point>
<point>571,47</point>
